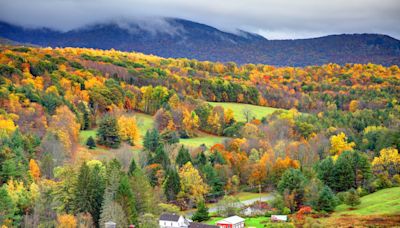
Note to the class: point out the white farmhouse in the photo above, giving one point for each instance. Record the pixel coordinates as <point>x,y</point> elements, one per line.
<point>173,221</point>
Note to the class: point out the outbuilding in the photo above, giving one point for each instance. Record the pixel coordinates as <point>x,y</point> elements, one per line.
<point>231,222</point>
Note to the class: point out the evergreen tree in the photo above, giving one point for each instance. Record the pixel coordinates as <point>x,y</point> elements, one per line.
<point>7,207</point>
<point>126,199</point>
<point>107,134</point>
<point>90,143</point>
<point>352,198</point>
<point>343,173</point>
<point>172,185</point>
<point>85,120</point>
<point>161,157</point>
<point>213,180</point>
<point>183,157</point>
<point>325,171</point>
<point>326,200</point>
<point>132,166</point>
<point>89,191</point>
<point>142,191</point>
<point>111,209</point>
<point>202,212</point>
<point>151,140</point>
<point>201,159</point>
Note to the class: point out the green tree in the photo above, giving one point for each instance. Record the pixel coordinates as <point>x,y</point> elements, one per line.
<point>89,191</point>
<point>161,157</point>
<point>172,185</point>
<point>343,172</point>
<point>202,212</point>
<point>132,166</point>
<point>126,199</point>
<point>292,185</point>
<point>183,157</point>
<point>107,134</point>
<point>326,200</point>
<point>7,208</point>
<point>151,140</point>
<point>90,143</point>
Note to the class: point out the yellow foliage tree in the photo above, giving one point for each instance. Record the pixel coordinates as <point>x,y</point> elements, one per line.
<point>66,221</point>
<point>339,144</point>
<point>353,106</point>
<point>190,121</point>
<point>192,185</point>
<point>7,126</point>
<point>388,160</point>
<point>128,129</point>
<point>34,169</point>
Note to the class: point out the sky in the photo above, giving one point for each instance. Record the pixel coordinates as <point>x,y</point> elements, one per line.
<point>279,19</point>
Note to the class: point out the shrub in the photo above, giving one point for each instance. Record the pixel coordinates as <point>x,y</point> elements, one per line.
<point>352,198</point>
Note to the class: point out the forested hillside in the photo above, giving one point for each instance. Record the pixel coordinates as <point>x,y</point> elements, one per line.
<point>334,136</point>
<point>179,38</point>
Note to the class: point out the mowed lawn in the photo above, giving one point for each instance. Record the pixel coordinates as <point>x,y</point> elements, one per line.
<point>257,222</point>
<point>386,201</point>
<point>237,108</point>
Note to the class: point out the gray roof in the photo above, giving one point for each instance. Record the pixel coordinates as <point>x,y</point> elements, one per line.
<point>169,217</point>
<point>201,225</point>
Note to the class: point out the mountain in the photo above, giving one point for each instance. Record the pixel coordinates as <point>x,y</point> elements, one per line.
<point>187,39</point>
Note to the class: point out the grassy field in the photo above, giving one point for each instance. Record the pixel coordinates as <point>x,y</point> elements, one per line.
<point>379,209</point>
<point>242,196</point>
<point>208,140</point>
<point>258,222</point>
<point>258,111</point>
<point>386,201</point>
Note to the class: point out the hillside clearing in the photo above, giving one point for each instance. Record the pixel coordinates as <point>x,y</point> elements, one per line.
<point>237,108</point>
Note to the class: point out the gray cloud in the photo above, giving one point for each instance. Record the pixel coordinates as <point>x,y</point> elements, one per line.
<point>279,19</point>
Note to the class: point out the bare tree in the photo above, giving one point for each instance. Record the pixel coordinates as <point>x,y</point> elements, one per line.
<point>248,114</point>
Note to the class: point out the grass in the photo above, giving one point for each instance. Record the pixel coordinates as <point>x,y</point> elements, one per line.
<point>256,222</point>
<point>379,209</point>
<point>237,108</point>
<point>242,196</point>
<point>386,201</point>
<point>208,140</point>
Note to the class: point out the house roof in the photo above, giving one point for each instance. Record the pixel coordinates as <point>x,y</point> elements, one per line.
<point>201,225</point>
<point>231,220</point>
<point>170,217</point>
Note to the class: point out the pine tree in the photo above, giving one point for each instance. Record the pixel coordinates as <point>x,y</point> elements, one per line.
<point>89,191</point>
<point>111,210</point>
<point>202,212</point>
<point>7,207</point>
<point>352,198</point>
<point>183,157</point>
<point>151,140</point>
<point>132,166</point>
<point>201,159</point>
<point>126,199</point>
<point>343,173</point>
<point>326,200</point>
<point>90,143</point>
<point>107,134</point>
<point>161,157</point>
<point>172,185</point>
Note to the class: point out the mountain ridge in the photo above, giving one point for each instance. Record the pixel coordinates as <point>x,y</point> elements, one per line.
<point>188,39</point>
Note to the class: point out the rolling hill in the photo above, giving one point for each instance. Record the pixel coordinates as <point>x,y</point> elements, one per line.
<point>189,39</point>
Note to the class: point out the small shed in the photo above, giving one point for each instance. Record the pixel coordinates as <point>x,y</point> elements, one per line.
<point>279,218</point>
<point>231,222</point>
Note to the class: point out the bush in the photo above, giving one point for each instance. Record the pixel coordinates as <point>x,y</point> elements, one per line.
<point>352,198</point>
<point>90,143</point>
<point>285,211</point>
<point>341,196</point>
<point>396,180</point>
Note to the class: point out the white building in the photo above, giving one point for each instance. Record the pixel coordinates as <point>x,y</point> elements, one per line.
<point>231,222</point>
<point>173,221</point>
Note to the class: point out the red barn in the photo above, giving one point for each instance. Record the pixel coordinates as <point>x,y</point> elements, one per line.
<point>231,222</point>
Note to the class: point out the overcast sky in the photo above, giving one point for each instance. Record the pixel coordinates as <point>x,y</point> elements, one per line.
<point>279,19</point>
